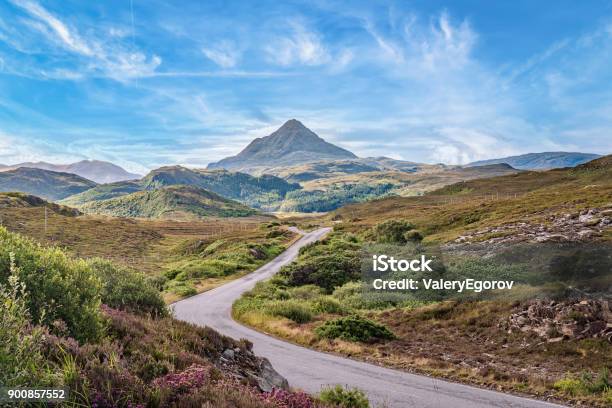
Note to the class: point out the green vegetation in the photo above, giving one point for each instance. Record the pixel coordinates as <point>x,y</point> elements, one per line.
<point>353,328</point>
<point>345,397</point>
<point>292,310</point>
<point>333,197</point>
<point>392,232</point>
<point>61,288</point>
<point>21,345</point>
<point>587,384</point>
<point>264,192</point>
<point>128,290</point>
<point>176,202</point>
<point>58,329</point>
<point>327,264</point>
<point>195,261</point>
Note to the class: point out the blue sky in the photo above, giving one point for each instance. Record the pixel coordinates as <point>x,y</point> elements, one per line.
<point>149,83</point>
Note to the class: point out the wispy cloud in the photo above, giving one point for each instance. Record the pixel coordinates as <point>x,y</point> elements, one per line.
<point>225,53</point>
<point>299,46</point>
<point>99,56</point>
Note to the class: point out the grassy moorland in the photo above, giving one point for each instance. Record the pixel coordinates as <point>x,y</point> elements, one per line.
<point>181,258</point>
<point>546,338</point>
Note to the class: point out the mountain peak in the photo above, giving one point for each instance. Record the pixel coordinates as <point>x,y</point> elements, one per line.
<point>291,144</point>
<point>292,124</point>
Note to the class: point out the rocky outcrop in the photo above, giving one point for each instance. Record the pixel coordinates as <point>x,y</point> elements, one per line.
<point>582,226</point>
<point>242,363</point>
<point>558,321</point>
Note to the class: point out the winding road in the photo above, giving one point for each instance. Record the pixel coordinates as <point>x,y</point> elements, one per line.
<point>310,370</point>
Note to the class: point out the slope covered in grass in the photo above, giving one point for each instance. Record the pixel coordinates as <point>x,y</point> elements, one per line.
<point>176,202</point>
<point>460,208</point>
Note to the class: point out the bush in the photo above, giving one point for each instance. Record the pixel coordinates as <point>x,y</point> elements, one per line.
<point>292,310</point>
<point>125,289</point>
<point>21,358</point>
<point>59,287</point>
<point>345,397</point>
<point>392,231</point>
<point>413,236</point>
<point>353,328</point>
<point>326,271</point>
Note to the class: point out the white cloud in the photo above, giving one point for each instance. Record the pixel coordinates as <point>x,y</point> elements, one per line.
<point>225,54</point>
<point>99,55</point>
<point>300,46</point>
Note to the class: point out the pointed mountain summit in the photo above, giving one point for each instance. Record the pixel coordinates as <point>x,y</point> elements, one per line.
<point>293,143</point>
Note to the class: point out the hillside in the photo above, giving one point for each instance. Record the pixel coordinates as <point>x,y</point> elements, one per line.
<point>336,190</point>
<point>21,200</point>
<point>264,192</point>
<point>96,170</point>
<point>326,169</point>
<point>541,161</point>
<point>291,144</point>
<point>47,184</point>
<point>173,202</point>
<point>531,204</point>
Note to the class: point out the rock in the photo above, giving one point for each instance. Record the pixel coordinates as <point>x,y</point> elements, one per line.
<point>269,378</point>
<point>555,340</point>
<point>228,354</point>
<point>257,253</point>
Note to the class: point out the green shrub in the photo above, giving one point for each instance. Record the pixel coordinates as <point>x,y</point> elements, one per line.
<point>353,328</point>
<point>413,236</point>
<point>292,310</point>
<point>392,231</point>
<point>326,271</point>
<point>59,287</point>
<point>344,397</point>
<point>327,304</point>
<point>128,290</point>
<point>21,358</point>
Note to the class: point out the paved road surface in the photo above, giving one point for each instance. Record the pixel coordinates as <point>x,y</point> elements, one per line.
<point>310,370</point>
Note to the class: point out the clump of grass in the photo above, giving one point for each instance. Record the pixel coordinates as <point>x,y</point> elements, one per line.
<point>344,397</point>
<point>292,310</point>
<point>585,384</point>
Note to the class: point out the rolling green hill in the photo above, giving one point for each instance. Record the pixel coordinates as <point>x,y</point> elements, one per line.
<point>47,184</point>
<point>264,192</point>
<point>175,202</point>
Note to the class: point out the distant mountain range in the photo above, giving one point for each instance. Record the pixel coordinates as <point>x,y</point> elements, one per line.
<point>293,143</point>
<point>541,161</point>
<point>47,184</point>
<point>291,170</point>
<point>95,170</point>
